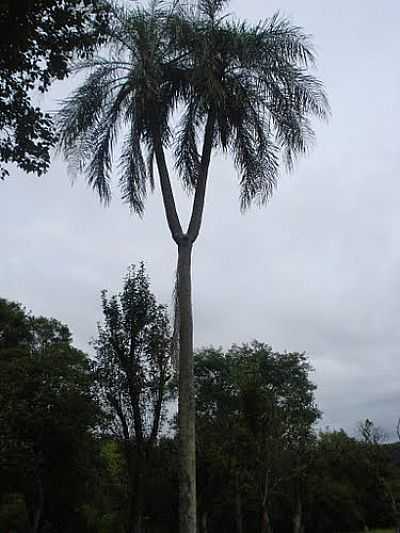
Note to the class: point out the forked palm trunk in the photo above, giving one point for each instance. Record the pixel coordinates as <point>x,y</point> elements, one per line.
<point>186,418</point>
<point>184,241</point>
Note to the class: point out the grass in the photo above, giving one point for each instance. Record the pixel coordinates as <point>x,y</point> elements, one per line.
<point>380,531</point>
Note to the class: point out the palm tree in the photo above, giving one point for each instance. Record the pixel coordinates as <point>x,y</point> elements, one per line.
<point>188,80</point>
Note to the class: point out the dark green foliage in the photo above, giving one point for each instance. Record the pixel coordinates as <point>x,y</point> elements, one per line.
<point>255,416</point>
<point>38,40</point>
<point>105,507</point>
<point>46,413</point>
<point>250,82</point>
<point>353,484</point>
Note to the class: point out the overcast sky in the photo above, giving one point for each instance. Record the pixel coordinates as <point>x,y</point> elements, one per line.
<point>317,270</point>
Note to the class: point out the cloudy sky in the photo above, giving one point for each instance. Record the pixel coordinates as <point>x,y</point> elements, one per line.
<point>317,270</point>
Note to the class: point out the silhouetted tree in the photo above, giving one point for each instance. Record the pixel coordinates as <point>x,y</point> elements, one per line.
<point>133,369</point>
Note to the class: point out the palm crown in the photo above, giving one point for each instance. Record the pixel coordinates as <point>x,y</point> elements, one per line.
<point>176,73</point>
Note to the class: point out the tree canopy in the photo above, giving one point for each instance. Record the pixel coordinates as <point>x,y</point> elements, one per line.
<point>47,410</point>
<point>255,416</point>
<point>38,41</point>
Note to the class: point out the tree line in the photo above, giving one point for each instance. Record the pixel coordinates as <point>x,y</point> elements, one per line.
<point>88,443</point>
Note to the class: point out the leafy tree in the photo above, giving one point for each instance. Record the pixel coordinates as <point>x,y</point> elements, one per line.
<point>336,482</point>
<point>383,477</point>
<point>103,508</point>
<point>353,484</point>
<point>133,368</point>
<point>219,443</point>
<point>38,40</point>
<point>242,88</point>
<point>255,413</point>
<point>46,413</point>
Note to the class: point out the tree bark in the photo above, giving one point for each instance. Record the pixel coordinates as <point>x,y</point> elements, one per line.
<point>135,462</point>
<point>204,522</point>
<point>265,521</point>
<point>137,515</point>
<point>266,526</point>
<point>39,507</point>
<point>186,407</point>
<point>297,518</point>
<point>238,505</point>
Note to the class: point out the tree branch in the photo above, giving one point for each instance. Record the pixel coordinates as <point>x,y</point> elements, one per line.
<point>157,407</point>
<point>166,189</point>
<point>199,195</point>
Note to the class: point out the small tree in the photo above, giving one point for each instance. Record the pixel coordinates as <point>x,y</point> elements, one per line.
<point>132,369</point>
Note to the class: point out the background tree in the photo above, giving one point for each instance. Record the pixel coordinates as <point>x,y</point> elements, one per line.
<point>255,413</point>
<point>38,39</point>
<point>219,443</point>
<point>133,369</point>
<point>242,88</point>
<point>47,412</point>
<point>345,491</point>
<point>383,476</point>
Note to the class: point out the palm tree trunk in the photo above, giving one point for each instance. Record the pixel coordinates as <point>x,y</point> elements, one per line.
<point>186,412</point>
<point>186,404</point>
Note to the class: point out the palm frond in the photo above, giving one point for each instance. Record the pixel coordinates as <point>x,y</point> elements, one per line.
<point>257,161</point>
<point>187,57</point>
<point>133,177</point>
<point>82,110</point>
<point>187,159</point>
<point>289,41</point>
<point>103,140</point>
<point>210,8</point>
<point>150,165</point>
